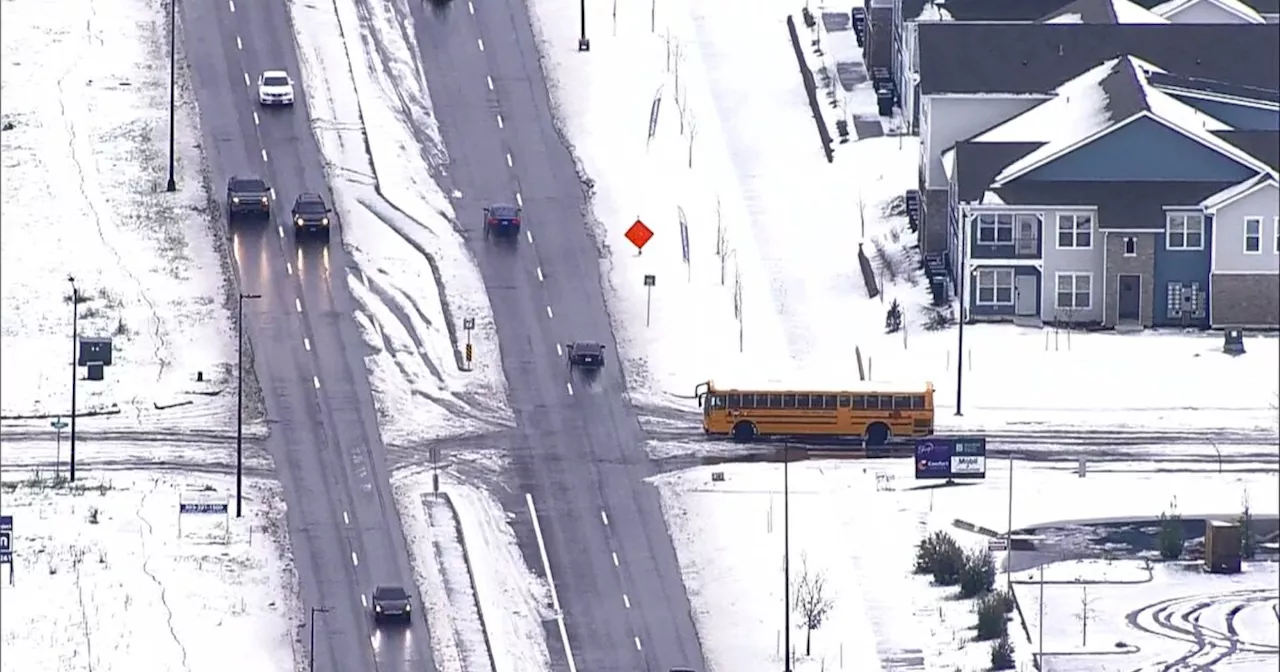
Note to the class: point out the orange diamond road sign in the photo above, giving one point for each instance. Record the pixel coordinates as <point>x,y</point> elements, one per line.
<point>639,234</point>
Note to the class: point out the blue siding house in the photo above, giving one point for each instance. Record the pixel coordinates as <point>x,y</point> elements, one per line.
<point>1089,208</point>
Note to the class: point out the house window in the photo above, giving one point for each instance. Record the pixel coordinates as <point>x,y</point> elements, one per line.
<point>1253,235</point>
<point>1130,246</point>
<point>1275,223</point>
<point>1075,232</point>
<point>995,286</point>
<point>995,229</point>
<point>1185,300</point>
<point>1184,231</point>
<point>1075,291</point>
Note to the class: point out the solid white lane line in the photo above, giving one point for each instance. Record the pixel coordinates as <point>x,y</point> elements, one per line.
<point>239,44</point>
<point>233,5</point>
<point>509,164</point>
<point>364,601</point>
<point>280,230</point>
<point>541,278</point>
<point>306,343</point>
<point>354,560</point>
<point>471,7</point>
<point>604,517</point>
<point>626,601</point>
<point>559,350</point>
<point>315,380</point>
<point>529,235</point>
<point>499,121</point>
<point>615,559</point>
<point>637,643</point>
<point>346,520</point>
<point>272,189</point>
<point>546,566</point>
<point>264,155</point>
<point>570,386</point>
<point>489,79</point>
<point>288,267</point>
<point>246,79</point>
<point>481,43</point>
<point>297,303</point>
<point>256,120</point>
<point>519,199</point>
<point>549,313</point>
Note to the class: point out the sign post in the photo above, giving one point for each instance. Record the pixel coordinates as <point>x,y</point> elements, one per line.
<point>468,324</point>
<point>649,282</point>
<point>950,458</point>
<point>684,243</point>
<point>58,425</point>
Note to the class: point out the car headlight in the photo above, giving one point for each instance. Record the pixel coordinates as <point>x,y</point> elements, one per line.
<point>377,607</point>
<point>324,222</point>
<point>408,608</point>
<point>297,220</point>
<point>264,200</point>
<point>235,199</point>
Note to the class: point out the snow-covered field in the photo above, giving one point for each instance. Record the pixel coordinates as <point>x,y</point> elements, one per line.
<point>771,292</point>
<point>857,523</point>
<point>416,282</point>
<point>103,579</point>
<point>85,111</point>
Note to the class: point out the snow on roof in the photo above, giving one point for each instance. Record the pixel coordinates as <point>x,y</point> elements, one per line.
<point>843,382</point>
<point>1237,191</point>
<point>1132,12</point>
<point>933,12</point>
<point>1233,6</point>
<point>991,198</point>
<point>1067,18</point>
<point>1120,11</point>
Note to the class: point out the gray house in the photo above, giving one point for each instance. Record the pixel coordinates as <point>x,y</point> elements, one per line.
<point>967,87</point>
<point>1130,197</point>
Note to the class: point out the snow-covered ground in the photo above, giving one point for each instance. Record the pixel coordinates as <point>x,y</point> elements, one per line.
<point>85,168</point>
<point>771,291</point>
<point>857,524</point>
<point>103,579</point>
<point>416,281</point>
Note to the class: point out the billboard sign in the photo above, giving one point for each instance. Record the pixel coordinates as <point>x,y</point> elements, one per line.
<point>951,458</point>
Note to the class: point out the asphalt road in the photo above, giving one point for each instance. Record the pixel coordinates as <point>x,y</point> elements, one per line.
<point>345,531</point>
<point>579,455</point>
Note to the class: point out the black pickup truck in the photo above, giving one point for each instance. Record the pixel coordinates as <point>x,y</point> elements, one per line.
<point>311,216</point>
<point>248,196</point>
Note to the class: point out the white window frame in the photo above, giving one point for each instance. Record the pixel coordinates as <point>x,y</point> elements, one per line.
<point>1256,237</point>
<point>1275,222</point>
<point>1179,223</point>
<point>1127,240</point>
<point>1073,220</point>
<point>1075,278</point>
<point>993,277</point>
<point>997,221</point>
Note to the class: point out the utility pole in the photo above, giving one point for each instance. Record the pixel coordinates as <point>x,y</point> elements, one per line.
<point>173,76</point>
<point>1040,622</point>
<point>1008,537</point>
<point>786,557</point>
<point>240,401</point>
<point>960,304</point>
<point>75,371</point>
<point>583,43</point>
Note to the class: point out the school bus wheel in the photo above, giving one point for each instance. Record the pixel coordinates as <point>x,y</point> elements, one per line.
<point>744,431</point>
<point>877,434</point>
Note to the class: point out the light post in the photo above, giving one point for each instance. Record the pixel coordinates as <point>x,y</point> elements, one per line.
<point>583,43</point>
<point>240,399</point>
<point>173,59</point>
<point>786,557</point>
<point>75,372</point>
<point>962,301</point>
<point>311,651</point>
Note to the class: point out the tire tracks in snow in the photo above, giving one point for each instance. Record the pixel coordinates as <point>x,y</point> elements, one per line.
<point>146,562</point>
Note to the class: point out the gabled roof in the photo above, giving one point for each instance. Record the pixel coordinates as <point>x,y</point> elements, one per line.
<point>986,10</point>
<point>976,58</point>
<point>1103,11</point>
<point>1121,205</point>
<point>1213,90</point>
<point>1235,7</point>
<point>976,165</point>
<point>1261,145</point>
<point>1236,192</point>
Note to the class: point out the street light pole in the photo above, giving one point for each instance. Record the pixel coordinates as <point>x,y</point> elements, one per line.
<point>583,43</point>
<point>786,557</point>
<point>240,400</point>
<point>173,59</point>
<point>311,651</point>
<point>75,372</point>
<point>961,302</point>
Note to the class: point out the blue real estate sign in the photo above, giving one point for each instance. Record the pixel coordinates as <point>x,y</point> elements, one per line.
<point>951,458</point>
<point>6,540</point>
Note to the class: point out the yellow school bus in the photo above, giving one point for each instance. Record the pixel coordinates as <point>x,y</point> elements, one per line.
<point>876,413</point>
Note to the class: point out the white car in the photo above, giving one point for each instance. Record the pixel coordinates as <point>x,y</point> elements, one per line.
<point>275,87</point>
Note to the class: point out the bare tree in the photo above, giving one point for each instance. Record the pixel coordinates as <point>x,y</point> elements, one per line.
<point>676,59</point>
<point>682,103</point>
<point>862,213</point>
<point>693,131</point>
<point>811,601</point>
<point>1086,613</point>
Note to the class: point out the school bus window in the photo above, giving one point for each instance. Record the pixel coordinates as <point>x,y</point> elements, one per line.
<point>830,401</point>
<point>844,401</point>
<point>788,401</point>
<point>902,403</point>
<point>717,401</point>
<point>860,403</point>
<point>917,401</point>
<point>802,401</point>
<point>886,403</point>
<point>735,401</point>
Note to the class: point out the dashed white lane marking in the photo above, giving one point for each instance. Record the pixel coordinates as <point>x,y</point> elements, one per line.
<point>472,8</point>
<point>615,559</point>
<point>315,380</point>
<point>489,79</point>
<point>540,276</point>
<point>604,517</point>
<point>354,560</point>
<point>297,303</point>
<point>246,79</point>
<point>481,43</point>
<point>256,120</point>
<point>499,121</point>
<point>239,44</point>
<point>280,230</point>
<point>555,597</point>
<point>232,3</point>
<point>637,643</point>
<point>264,155</point>
<point>272,189</point>
<point>529,235</point>
<point>549,313</point>
<point>306,343</point>
<point>364,601</point>
<point>288,267</point>
<point>559,350</point>
<point>519,199</point>
<point>626,601</point>
<point>509,164</point>
<point>570,386</point>
<point>345,519</point>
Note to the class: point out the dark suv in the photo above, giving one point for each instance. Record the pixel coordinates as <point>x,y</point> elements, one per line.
<point>586,354</point>
<point>311,215</point>
<point>391,602</point>
<point>248,196</point>
<point>501,220</point>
